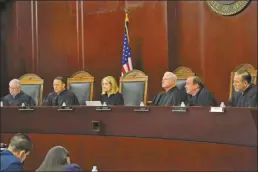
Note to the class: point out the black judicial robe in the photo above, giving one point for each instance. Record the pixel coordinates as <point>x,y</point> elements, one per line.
<point>20,98</point>
<point>172,97</point>
<point>113,99</point>
<point>202,98</point>
<point>184,95</point>
<point>53,99</point>
<point>246,99</point>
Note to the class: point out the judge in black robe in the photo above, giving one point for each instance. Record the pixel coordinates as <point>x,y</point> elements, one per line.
<point>60,95</point>
<point>245,94</point>
<point>184,95</point>
<point>16,97</point>
<point>198,94</point>
<point>172,96</point>
<point>113,99</point>
<point>10,100</point>
<point>66,96</point>
<point>110,92</point>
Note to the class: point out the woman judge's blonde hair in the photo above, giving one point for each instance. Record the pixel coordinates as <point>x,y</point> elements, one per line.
<point>112,81</point>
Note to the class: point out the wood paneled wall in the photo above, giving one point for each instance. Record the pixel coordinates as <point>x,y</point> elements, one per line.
<point>3,71</point>
<point>53,38</point>
<point>141,154</point>
<point>210,44</point>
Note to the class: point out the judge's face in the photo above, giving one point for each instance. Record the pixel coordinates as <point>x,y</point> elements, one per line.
<point>167,82</point>
<point>190,87</point>
<point>58,86</point>
<point>14,89</point>
<point>106,86</point>
<point>238,84</point>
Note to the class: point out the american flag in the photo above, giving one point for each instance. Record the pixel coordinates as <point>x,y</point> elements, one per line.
<point>126,61</point>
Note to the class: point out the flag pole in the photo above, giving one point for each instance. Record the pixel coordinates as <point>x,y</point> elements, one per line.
<point>126,11</point>
<point>126,20</point>
<point>126,60</point>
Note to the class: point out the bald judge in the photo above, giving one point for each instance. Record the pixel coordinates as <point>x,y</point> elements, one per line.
<point>171,96</point>
<point>16,97</point>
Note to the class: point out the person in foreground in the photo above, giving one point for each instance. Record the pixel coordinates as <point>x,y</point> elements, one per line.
<point>60,94</point>
<point>57,159</point>
<point>199,95</point>
<point>16,97</point>
<point>172,96</point>
<point>246,91</point>
<point>19,148</point>
<point>110,92</point>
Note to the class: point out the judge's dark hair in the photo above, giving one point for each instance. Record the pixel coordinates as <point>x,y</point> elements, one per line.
<point>60,78</point>
<point>20,142</point>
<point>197,80</point>
<point>245,75</point>
<point>55,160</point>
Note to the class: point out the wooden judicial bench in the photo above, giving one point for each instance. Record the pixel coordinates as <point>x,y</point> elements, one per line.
<point>123,139</point>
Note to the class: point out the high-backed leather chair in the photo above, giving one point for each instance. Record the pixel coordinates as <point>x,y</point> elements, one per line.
<point>32,85</point>
<point>133,86</point>
<point>182,74</point>
<point>81,84</point>
<point>247,67</point>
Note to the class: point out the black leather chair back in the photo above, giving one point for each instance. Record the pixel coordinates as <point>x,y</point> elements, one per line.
<point>133,93</point>
<point>180,83</point>
<point>82,91</point>
<point>32,90</point>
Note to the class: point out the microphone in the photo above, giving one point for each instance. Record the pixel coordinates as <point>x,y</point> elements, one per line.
<point>24,104</point>
<point>65,106</point>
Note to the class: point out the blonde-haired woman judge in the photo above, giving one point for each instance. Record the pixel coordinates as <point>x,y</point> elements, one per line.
<point>110,92</point>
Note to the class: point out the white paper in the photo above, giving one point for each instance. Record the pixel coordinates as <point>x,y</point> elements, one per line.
<point>217,109</point>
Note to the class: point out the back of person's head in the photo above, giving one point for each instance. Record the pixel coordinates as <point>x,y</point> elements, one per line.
<point>20,145</point>
<point>55,160</point>
<point>20,142</point>
<point>197,80</point>
<point>245,75</point>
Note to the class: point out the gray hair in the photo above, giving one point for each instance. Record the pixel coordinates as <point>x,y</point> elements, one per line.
<point>15,82</point>
<point>171,76</point>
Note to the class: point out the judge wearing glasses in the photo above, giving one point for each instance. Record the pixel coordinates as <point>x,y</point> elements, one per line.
<point>16,97</point>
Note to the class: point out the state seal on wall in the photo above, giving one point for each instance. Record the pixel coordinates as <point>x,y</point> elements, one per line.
<point>228,8</point>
